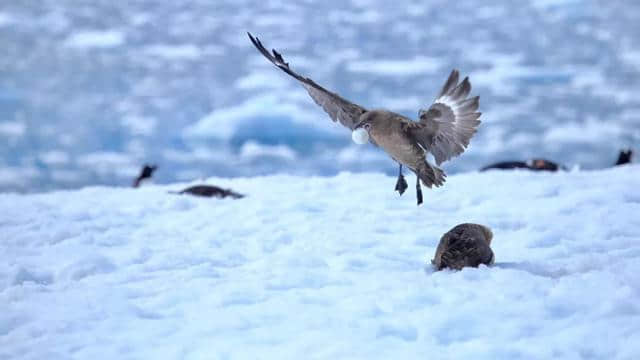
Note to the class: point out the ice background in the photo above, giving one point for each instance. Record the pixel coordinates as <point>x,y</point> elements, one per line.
<point>90,90</point>
<point>321,260</point>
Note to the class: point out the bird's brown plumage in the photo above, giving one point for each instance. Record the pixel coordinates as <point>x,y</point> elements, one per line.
<point>443,130</point>
<point>464,245</point>
<point>209,191</point>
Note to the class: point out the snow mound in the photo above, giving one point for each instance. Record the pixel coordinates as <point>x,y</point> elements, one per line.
<point>324,267</point>
<point>96,39</point>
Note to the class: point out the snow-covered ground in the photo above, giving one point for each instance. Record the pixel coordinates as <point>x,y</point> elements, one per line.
<point>324,268</point>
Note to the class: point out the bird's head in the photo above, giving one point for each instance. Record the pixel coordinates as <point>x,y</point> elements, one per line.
<point>362,125</point>
<point>368,121</point>
<point>360,134</point>
<point>371,119</point>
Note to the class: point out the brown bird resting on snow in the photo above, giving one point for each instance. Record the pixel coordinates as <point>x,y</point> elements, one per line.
<point>464,245</point>
<point>444,129</point>
<point>208,191</point>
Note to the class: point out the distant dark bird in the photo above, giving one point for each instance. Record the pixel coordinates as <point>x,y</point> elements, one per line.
<point>624,157</point>
<point>208,191</point>
<point>464,245</point>
<point>534,164</point>
<point>444,129</point>
<point>146,173</point>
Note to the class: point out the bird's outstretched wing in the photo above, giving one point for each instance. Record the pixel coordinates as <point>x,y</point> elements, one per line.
<point>338,108</point>
<point>447,126</point>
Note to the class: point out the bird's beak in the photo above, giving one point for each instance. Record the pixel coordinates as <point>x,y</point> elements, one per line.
<point>360,125</point>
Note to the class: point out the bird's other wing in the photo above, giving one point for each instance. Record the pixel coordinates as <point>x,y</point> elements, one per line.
<point>338,108</point>
<point>447,126</point>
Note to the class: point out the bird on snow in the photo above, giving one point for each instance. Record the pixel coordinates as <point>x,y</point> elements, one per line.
<point>208,191</point>
<point>624,157</point>
<point>145,173</point>
<point>443,130</point>
<point>464,245</point>
<point>533,164</point>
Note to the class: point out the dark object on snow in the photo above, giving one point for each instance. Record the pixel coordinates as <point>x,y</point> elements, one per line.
<point>546,165</point>
<point>464,245</point>
<point>146,173</point>
<point>534,164</point>
<point>208,191</point>
<point>624,157</point>
<point>506,165</point>
<point>444,129</point>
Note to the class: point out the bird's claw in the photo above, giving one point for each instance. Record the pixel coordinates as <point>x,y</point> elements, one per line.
<point>401,184</point>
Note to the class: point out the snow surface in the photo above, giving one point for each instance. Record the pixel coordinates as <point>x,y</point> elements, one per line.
<point>324,268</point>
<point>99,39</point>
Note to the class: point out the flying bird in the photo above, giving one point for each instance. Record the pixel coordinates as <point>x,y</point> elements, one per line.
<point>443,130</point>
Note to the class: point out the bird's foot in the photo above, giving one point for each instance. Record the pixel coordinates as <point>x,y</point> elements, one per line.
<point>401,184</point>
<point>418,192</point>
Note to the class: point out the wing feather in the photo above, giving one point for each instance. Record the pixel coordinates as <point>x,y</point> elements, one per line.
<point>446,128</point>
<point>338,108</point>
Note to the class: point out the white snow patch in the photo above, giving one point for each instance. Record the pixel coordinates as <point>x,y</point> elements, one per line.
<point>14,175</point>
<point>631,57</point>
<point>139,125</point>
<point>588,78</point>
<point>553,4</point>
<point>504,68</point>
<point>12,128</point>
<point>54,157</point>
<point>418,65</point>
<point>175,52</point>
<point>263,80</point>
<point>6,19</point>
<point>222,123</point>
<point>368,16</point>
<point>355,154</point>
<point>198,153</point>
<point>96,39</point>
<point>252,150</point>
<point>408,103</point>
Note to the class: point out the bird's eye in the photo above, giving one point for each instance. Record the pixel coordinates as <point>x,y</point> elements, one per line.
<point>367,126</point>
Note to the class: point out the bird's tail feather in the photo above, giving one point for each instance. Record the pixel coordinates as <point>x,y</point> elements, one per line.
<point>431,175</point>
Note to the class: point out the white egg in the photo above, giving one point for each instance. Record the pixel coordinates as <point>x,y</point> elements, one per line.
<point>360,136</point>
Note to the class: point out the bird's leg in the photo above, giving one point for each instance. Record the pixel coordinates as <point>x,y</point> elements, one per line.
<point>418,190</point>
<point>401,184</point>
